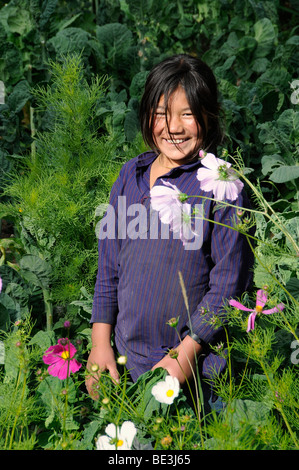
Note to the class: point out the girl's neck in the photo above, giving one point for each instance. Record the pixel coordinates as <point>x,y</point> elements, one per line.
<point>169,164</point>
<point>166,162</point>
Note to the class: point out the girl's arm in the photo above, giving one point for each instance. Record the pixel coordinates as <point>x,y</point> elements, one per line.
<point>183,366</point>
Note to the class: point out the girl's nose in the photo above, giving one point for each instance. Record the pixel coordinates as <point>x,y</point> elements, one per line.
<point>174,124</point>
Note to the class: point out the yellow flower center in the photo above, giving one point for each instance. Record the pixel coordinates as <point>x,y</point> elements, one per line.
<point>169,393</point>
<point>65,355</point>
<point>119,443</point>
<point>259,308</point>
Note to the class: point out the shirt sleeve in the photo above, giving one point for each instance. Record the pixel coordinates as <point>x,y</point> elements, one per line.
<point>230,276</point>
<point>105,305</point>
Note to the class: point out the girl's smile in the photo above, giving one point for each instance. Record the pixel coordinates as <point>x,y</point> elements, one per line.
<point>176,131</point>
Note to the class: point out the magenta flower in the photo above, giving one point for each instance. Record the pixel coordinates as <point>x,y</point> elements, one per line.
<point>261,299</point>
<point>60,359</point>
<point>219,177</point>
<point>0,284</point>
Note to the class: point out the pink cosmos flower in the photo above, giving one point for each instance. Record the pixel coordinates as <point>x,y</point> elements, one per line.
<point>60,359</point>
<point>261,299</point>
<point>0,284</point>
<point>219,177</point>
<point>167,200</point>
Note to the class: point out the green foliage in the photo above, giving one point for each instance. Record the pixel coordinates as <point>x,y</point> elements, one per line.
<point>73,75</point>
<point>69,174</point>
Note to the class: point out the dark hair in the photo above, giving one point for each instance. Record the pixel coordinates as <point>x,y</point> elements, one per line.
<point>199,83</point>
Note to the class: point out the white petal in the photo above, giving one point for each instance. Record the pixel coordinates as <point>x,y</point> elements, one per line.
<point>212,162</point>
<point>203,173</point>
<point>160,390</point>
<point>111,430</point>
<point>163,191</point>
<point>172,382</point>
<point>219,190</point>
<point>103,443</point>
<point>128,432</point>
<point>208,184</point>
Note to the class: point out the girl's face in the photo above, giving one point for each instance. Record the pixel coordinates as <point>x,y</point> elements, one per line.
<point>178,140</point>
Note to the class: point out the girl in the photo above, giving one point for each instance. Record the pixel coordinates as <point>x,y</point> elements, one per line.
<point>138,288</point>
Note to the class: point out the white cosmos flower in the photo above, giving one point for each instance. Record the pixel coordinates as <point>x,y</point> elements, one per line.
<point>219,177</point>
<point>117,438</point>
<point>167,200</point>
<point>166,390</point>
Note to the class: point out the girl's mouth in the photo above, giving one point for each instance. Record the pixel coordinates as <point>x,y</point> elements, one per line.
<point>176,141</point>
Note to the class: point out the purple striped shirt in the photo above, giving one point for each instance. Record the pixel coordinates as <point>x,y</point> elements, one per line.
<point>138,289</point>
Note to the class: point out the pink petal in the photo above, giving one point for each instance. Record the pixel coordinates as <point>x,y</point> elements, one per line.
<point>163,195</point>
<point>278,308</point>
<point>239,185</point>
<point>173,186</point>
<point>170,214</point>
<point>74,365</point>
<point>233,188</point>
<point>63,368</point>
<point>52,354</point>
<point>261,297</point>
<point>207,184</point>
<point>219,190</point>
<point>236,304</point>
<point>212,162</point>
<point>0,284</point>
<point>251,318</point>
<point>59,369</point>
<point>203,174</point>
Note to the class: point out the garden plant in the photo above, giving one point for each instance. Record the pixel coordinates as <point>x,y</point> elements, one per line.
<point>71,77</point>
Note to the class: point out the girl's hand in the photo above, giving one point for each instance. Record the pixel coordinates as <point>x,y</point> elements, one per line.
<point>183,366</point>
<point>101,357</point>
<point>100,360</point>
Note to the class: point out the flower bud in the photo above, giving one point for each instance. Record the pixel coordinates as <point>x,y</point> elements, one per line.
<point>122,360</point>
<point>173,353</point>
<point>166,441</point>
<point>173,322</point>
<point>94,368</point>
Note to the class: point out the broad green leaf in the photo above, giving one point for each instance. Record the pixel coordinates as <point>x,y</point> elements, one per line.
<point>44,339</point>
<point>284,174</point>
<point>265,35</point>
<point>16,19</point>
<point>70,40</point>
<point>271,161</point>
<point>35,270</point>
<point>19,96</point>
<point>117,40</point>
<point>250,412</point>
